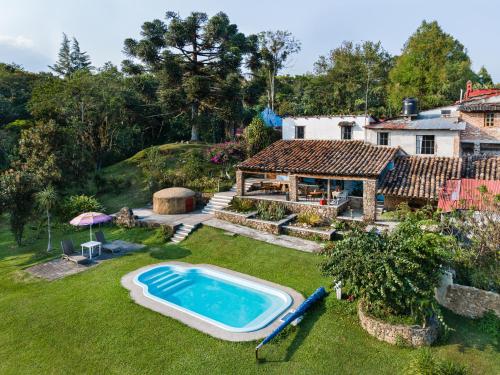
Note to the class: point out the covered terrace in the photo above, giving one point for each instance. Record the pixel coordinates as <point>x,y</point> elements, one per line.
<point>340,174</point>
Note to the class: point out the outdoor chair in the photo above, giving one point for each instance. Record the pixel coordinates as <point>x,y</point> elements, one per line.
<point>341,197</point>
<point>69,253</point>
<point>109,246</point>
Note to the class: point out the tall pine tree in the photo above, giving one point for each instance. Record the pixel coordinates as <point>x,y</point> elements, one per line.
<point>63,65</point>
<point>70,58</point>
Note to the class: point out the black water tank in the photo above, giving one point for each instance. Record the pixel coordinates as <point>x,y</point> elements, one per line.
<point>410,107</point>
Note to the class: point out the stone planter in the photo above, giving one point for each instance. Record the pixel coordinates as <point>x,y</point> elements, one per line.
<point>309,233</point>
<point>248,220</point>
<point>415,336</point>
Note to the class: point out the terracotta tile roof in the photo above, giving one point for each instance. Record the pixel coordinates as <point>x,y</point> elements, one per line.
<point>334,158</point>
<point>482,168</point>
<point>423,176</point>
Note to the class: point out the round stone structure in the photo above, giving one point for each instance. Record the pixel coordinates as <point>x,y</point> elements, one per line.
<point>176,200</point>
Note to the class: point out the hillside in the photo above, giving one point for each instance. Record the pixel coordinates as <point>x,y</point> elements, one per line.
<point>124,181</point>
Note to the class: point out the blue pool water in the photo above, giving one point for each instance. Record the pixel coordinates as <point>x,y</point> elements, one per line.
<point>228,301</point>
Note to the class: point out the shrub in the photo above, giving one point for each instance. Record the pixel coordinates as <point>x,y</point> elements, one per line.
<point>425,363</point>
<point>241,205</point>
<point>489,323</point>
<point>78,204</point>
<point>309,218</point>
<point>271,211</point>
<point>160,236</point>
<point>394,273</point>
<point>258,136</point>
<point>476,256</point>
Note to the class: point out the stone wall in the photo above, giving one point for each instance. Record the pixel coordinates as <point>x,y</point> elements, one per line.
<point>274,227</point>
<point>326,211</point>
<point>240,183</point>
<point>466,300</point>
<point>369,200</point>
<point>308,233</point>
<point>397,333</point>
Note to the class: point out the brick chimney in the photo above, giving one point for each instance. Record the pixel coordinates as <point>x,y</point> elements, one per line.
<point>468,90</point>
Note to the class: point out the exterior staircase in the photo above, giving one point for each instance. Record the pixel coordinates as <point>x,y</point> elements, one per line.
<point>219,201</point>
<point>182,232</point>
<point>379,208</point>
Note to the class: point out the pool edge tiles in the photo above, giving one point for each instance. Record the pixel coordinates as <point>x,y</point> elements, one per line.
<point>140,294</point>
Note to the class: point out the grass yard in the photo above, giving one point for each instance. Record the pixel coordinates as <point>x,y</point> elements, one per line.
<point>137,194</point>
<point>86,323</point>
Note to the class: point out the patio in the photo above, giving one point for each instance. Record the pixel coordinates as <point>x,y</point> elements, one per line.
<point>335,175</point>
<point>59,268</point>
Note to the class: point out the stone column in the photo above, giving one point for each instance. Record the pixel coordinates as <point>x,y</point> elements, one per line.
<point>294,193</point>
<point>240,183</point>
<point>369,200</point>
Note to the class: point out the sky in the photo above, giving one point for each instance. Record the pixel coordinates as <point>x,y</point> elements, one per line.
<point>31,30</point>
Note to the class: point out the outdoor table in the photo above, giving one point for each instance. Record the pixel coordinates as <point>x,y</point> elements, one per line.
<point>90,246</point>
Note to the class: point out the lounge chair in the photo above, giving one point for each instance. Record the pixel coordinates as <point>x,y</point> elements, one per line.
<point>69,253</point>
<point>109,246</point>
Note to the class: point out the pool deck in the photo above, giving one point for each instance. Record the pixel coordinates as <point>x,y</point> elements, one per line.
<point>137,294</point>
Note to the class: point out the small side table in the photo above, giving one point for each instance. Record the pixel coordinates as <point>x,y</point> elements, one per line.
<point>90,246</point>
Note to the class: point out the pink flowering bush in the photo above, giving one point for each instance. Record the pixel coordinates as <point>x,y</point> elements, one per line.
<point>227,153</point>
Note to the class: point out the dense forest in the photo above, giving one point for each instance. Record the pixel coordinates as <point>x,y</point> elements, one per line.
<point>198,79</point>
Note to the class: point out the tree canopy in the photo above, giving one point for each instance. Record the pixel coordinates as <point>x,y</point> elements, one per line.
<point>197,60</point>
<point>432,67</point>
<point>70,59</point>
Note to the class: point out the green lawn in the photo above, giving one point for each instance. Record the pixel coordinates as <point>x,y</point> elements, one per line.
<point>87,323</point>
<point>137,194</point>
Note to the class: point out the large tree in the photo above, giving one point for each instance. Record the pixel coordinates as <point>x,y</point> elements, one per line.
<point>15,90</point>
<point>275,48</point>
<point>433,67</point>
<point>95,108</point>
<point>484,79</point>
<point>70,59</point>
<point>197,60</point>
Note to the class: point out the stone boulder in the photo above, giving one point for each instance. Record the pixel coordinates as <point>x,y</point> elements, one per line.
<point>126,218</point>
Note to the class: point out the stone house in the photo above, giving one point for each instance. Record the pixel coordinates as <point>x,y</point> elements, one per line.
<point>327,177</point>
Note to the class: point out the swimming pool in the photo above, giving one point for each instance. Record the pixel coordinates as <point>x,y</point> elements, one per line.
<point>225,300</point>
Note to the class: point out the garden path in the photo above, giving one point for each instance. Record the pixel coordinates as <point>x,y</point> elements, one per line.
<point>280,240</point>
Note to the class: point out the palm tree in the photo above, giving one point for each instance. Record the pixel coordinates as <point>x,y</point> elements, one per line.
<point>46,199</point>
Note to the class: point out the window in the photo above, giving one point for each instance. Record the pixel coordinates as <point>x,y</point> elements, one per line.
<point>489,119</point>
<point>383,139</point>
<point>346,132</point>
<point>425,144</point>
<point>299,132</point>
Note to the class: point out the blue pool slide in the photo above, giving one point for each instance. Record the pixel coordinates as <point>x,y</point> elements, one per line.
<point>318,295</point>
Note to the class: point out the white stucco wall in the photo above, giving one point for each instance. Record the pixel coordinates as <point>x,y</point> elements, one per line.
<point>446,141</point>
<point>324,128</point>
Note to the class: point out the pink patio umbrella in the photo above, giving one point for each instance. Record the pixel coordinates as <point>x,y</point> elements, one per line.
<point>90,218</point>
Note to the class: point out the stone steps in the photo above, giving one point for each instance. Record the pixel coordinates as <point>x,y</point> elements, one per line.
<point>182,232</point>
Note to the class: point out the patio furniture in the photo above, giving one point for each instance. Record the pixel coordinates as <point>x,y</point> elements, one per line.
<point>69,253</point>
<point>315,194</point>
<point>90,246</point>
<point>340,197</point>
<point>109,246</point>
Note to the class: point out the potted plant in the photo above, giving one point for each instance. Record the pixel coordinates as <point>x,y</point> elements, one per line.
<point>322,201</point>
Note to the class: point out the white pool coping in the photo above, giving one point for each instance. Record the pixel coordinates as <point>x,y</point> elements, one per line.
<point>140,296</point>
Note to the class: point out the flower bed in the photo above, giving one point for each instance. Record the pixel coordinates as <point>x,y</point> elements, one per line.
<point>397,333</point>
<point>249,220</point>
